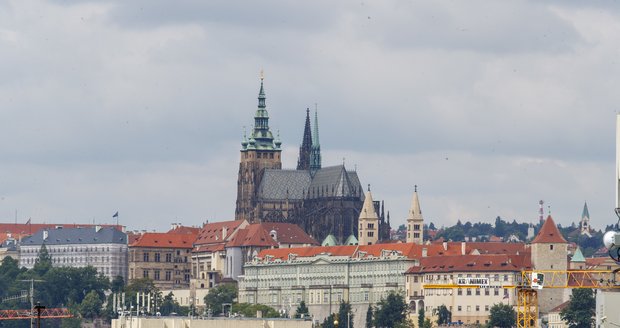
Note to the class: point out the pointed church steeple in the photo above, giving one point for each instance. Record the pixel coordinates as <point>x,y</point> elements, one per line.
<point>415,221</point>
<point>259,151</point>
<point>315,155</point>
<point>368,221</point>
<point>261,133</point>
<point>303,162</point>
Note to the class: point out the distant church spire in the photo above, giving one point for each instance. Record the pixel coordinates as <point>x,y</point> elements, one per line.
<point>315,154</point>
<point>303,162</point>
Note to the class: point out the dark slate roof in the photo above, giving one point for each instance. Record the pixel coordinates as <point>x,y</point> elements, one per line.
<point>280,184</point>
<point>335,181</point>
<point>105,235</point>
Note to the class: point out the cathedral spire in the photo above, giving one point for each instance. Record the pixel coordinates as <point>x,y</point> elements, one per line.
<point>261,133</point>
<point>303,162</point>
<point>315,155</point>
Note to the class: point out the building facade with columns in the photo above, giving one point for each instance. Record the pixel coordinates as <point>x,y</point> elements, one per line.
<point>324,276</point>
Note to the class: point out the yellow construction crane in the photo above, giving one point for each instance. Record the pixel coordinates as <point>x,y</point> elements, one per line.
<point>530,282</point>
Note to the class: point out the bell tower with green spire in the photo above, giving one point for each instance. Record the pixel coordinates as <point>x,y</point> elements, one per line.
<point>258,153</point>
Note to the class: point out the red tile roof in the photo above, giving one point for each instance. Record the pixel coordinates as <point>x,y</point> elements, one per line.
<point>497,248</point>
<point>560,307</point>
<point>409,250</point>
<point>288,233</point>
<point>212,233</point>
<point>252,235</point>
<point>164,240</point>
<point>473,263</point>
<point>186,230</point>
<point>549,233</point>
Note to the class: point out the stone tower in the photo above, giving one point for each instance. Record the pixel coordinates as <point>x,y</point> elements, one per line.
<point>258,153</point>
<point>303,162</point>
<point>415,221</point>
<point>368,222</point>
<point>550,252</point>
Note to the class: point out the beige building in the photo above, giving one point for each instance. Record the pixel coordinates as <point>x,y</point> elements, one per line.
<point>495,273</point>
<point>163,257</point>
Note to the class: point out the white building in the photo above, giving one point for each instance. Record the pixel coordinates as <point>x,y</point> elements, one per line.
<point>324,276</point>
<point>104,248</point>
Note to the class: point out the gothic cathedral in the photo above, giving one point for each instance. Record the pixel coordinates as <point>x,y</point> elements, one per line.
<point>321,200</point>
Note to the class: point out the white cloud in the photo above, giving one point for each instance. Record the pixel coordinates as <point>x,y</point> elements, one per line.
<point>140,105</point>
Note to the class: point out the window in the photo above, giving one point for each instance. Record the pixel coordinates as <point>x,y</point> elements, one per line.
<point>156,274</point>
<point>365,296</point>
<point>505,277</point>
<point>145,274</point>
<point>415,278</point>
<point>168,257</point>
<point>496,292</point>
<point>468,291</point>
<point>477,308</point>
<point>486,292</point>
<point>551,247</point>
<point>145,257</point>
<point>416,235</point>
<point>458,308</point>
<point>157,257</point>
<point>371,225</point>
<point>416,227</point>
<point>477,291</point>
<point>486,308</point>
<point>459,292</point>
<point>371,233</point>
<point>168,275</point>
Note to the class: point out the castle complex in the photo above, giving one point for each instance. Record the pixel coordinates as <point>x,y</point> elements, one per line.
<point>321,200</point>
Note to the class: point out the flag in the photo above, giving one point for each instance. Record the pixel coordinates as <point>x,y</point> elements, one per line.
<point>115,215</point>
<point>28,222</point>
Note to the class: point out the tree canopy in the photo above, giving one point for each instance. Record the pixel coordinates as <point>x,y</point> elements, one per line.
<point>502,316</point>
<point>221,294</point>
<point>580,310</point>
<point>391,311</point>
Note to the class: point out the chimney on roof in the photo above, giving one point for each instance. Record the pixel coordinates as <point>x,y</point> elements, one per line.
<point>463,248</point>
<point>424,252</point>
<point>97,228</point>
<point>224,232</point>
<point>445,245</point>
<point>45,234</point>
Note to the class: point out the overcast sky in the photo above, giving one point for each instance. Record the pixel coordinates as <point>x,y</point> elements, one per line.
<point>139,106</point>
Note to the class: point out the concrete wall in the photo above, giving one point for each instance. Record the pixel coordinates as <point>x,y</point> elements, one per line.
<point>607,314</point>
<point>171,322</point>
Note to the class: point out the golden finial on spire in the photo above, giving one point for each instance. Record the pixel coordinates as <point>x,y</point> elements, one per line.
<point>262,74</point>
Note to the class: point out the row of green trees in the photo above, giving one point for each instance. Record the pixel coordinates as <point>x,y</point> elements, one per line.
<point>82,290</point>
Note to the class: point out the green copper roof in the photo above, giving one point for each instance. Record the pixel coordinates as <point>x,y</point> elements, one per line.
<point>585,213</point>
<point>578,256</point>
<point>261,137</point>
<point>330,240</point>
<point>351,240</point>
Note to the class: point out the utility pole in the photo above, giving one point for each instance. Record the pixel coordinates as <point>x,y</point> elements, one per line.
<point>32,281</point>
